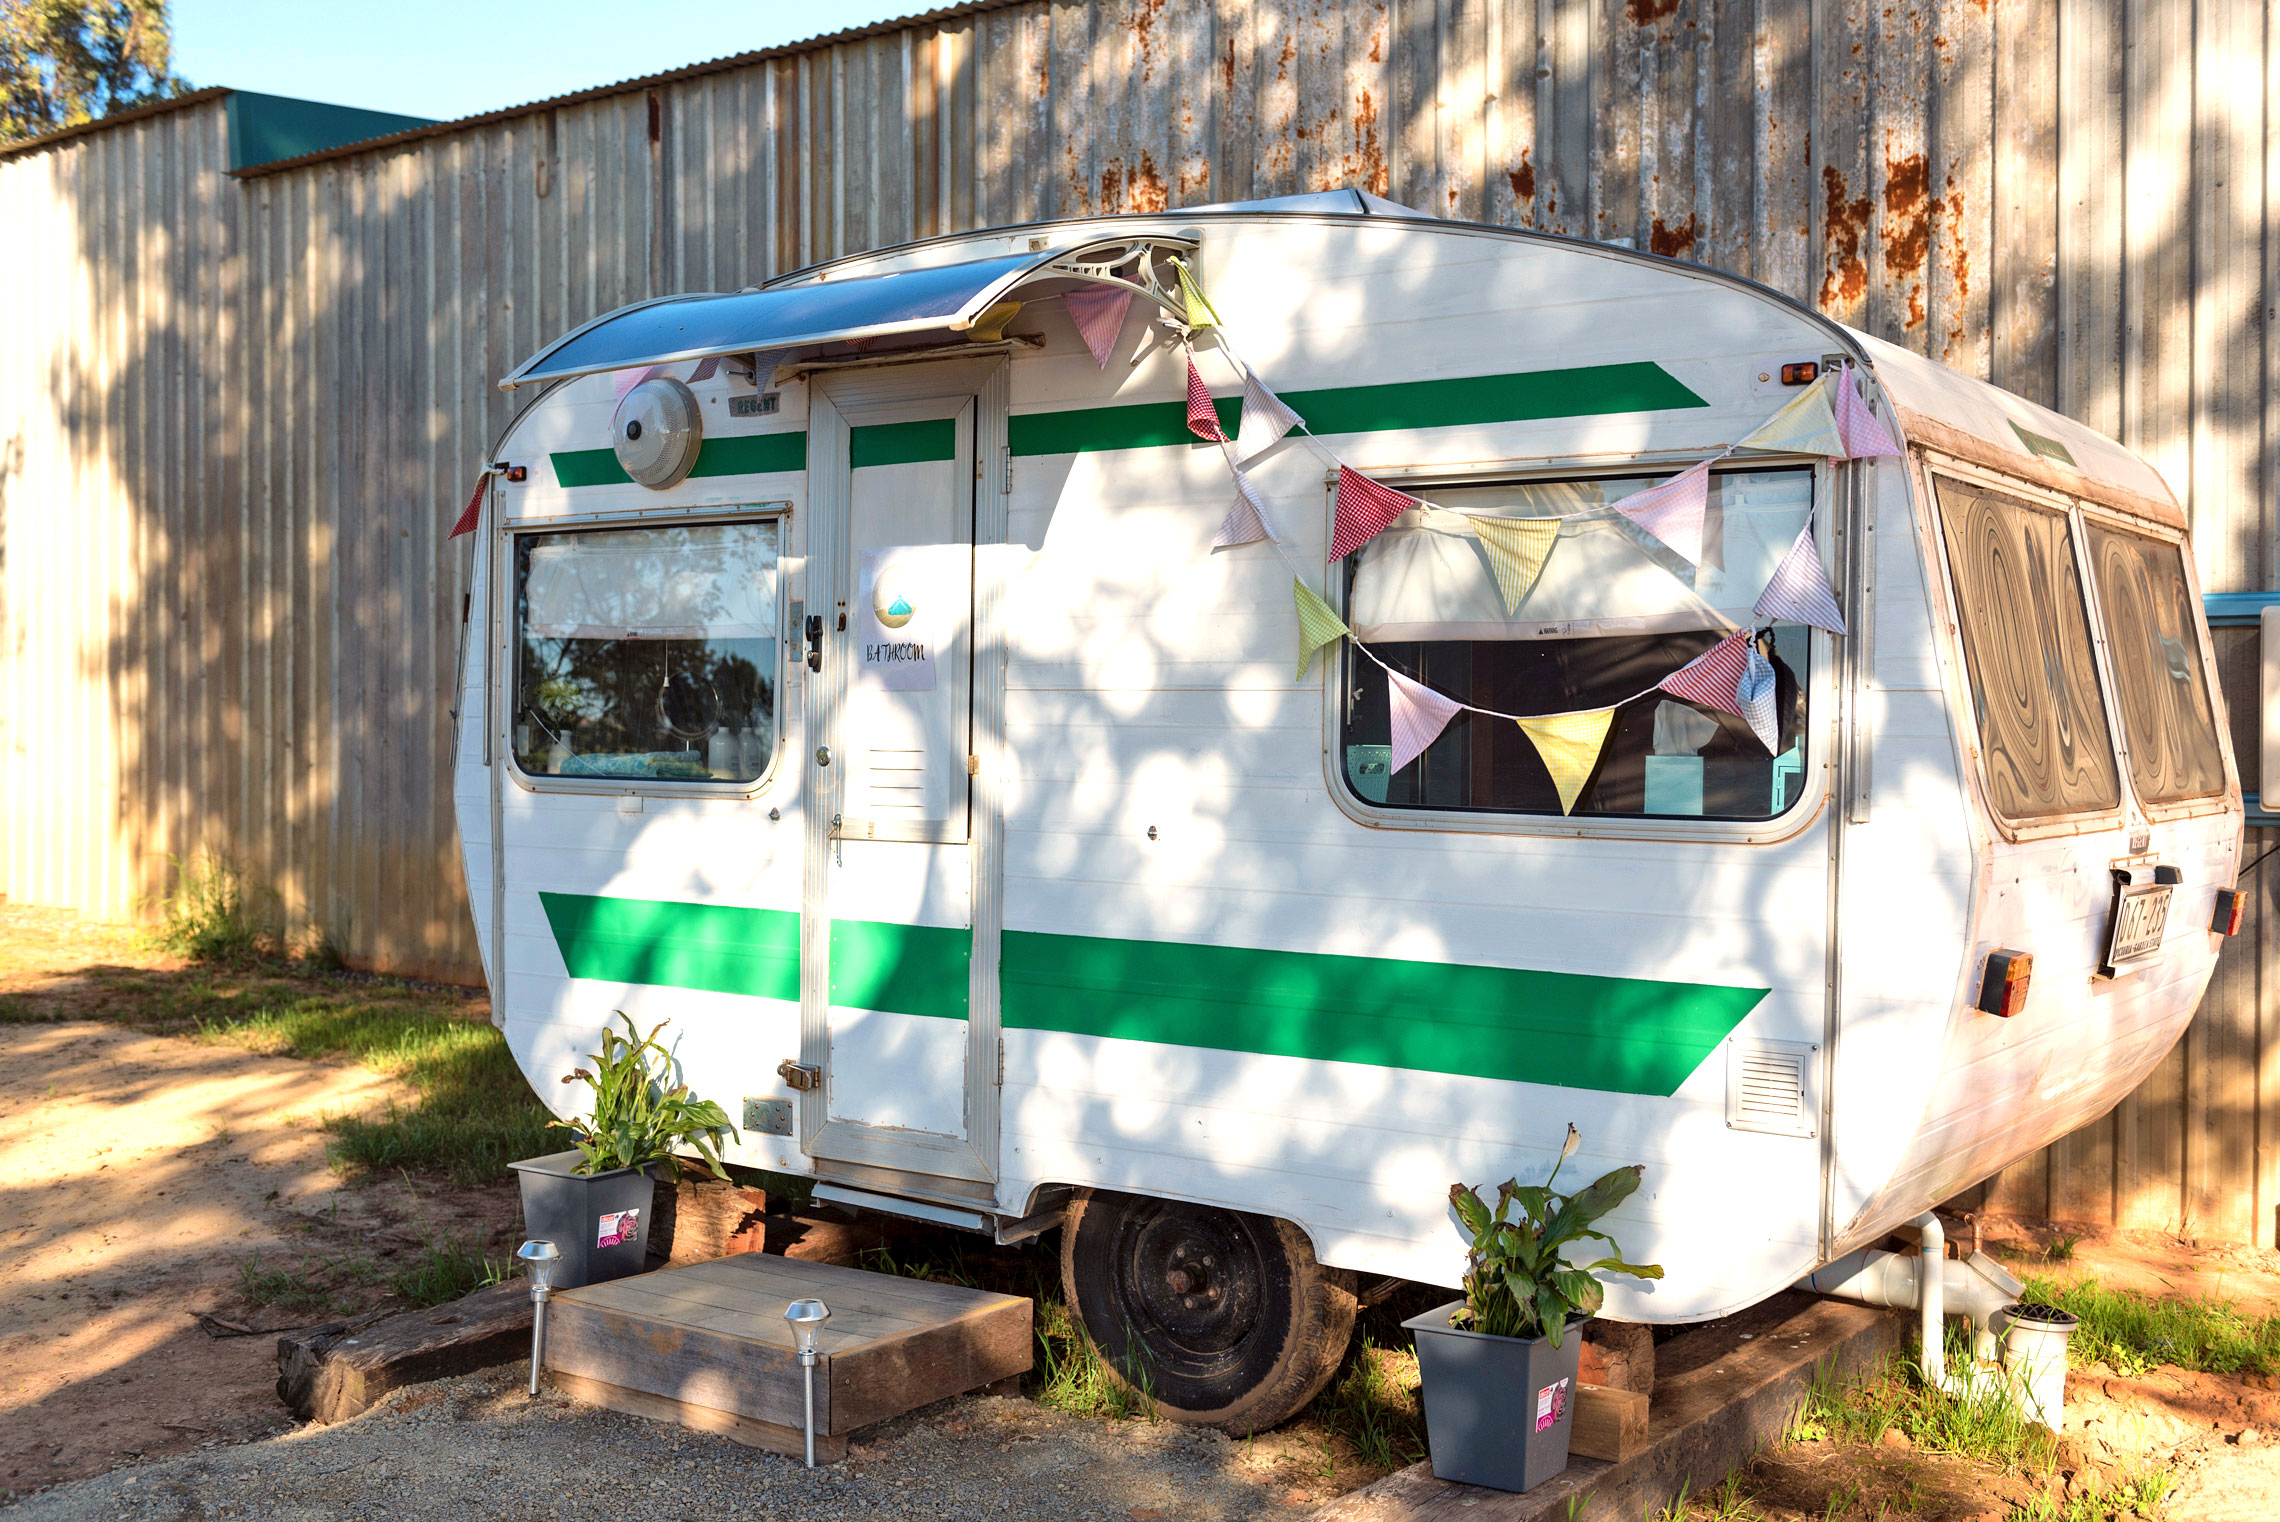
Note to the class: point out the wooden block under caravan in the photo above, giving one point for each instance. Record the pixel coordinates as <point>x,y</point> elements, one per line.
<point>1609,1424</point>
<point>707,1346</point>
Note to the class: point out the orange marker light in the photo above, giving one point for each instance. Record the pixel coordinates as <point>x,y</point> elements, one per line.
<point>1802,373</point>
<point>2003,990</point>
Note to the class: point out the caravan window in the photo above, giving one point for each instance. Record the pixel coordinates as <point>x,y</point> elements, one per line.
<point>2153,637</point>
<point>2026,646</point>
<point>1613,612</point>
<point>647,653</point>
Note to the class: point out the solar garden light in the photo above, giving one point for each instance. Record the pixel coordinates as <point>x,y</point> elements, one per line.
<point>541,1260</point>
<point>807,1318</point>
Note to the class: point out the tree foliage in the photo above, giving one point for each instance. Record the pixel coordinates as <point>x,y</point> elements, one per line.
<point>63,62</point>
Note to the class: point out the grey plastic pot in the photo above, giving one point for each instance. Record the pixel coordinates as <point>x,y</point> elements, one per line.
<point>1498,1410</point>
<point>600,1221</point>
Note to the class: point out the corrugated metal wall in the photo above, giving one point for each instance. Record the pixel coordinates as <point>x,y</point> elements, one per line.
<point>235,416</point>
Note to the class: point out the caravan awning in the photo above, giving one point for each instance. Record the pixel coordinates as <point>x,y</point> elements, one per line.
<point>947,298</point>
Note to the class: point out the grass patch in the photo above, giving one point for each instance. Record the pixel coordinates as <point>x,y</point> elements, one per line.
<point>2139,1497</point>
<point>214,915</point>
<point>1986,1424</point>
<point>2132,1332</point>
<point>1372,1403</point>
<point>446,1270</point>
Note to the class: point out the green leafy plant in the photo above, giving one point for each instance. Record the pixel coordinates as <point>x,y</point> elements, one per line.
<point>1517,1281</point>
<point>639,1114</point>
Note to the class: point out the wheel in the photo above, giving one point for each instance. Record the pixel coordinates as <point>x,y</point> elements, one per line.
<point>1215,1317</point>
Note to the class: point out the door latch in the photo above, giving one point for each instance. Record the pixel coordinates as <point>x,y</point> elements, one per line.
<point>802,1078</point>
<point>815,641</point>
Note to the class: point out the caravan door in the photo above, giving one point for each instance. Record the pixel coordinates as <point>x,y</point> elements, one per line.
<point>899,914</point>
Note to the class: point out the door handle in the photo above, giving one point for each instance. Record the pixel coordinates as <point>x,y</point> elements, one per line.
<point>815,641</point>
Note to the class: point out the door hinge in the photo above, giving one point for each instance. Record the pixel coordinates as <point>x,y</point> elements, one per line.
<point>1001,1061</point>
<point>799,1076</point>
<point>973,765</point>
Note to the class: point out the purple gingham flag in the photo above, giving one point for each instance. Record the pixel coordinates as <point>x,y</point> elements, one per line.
<point>1419,715</point>
<point>1755,693</point>
<point>1798,592</point>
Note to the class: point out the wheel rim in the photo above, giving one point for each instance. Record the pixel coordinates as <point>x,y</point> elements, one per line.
<point>1191,1290</point>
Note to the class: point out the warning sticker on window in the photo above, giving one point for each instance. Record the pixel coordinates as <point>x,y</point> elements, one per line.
<point>618,1226</point>
<point>1551,1405</point>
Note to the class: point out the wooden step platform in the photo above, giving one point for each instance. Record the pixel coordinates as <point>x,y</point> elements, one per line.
<point>707,1346</point>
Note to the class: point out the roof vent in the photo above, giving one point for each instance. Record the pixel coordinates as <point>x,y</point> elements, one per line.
<point>1771,1086</point>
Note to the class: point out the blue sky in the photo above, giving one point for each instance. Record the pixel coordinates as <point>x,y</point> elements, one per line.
<point>431,58</point>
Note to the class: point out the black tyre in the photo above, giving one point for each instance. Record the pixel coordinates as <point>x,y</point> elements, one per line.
<point>1216,1317</point>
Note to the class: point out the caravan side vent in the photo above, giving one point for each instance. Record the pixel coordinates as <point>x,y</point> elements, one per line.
<point>1773,1086</point>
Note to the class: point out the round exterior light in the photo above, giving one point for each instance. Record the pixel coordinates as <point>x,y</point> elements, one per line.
<point>657,432</point>
<point>541,1260</point>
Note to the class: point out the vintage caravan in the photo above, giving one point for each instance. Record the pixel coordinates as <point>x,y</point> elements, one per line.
<point>878,674</point>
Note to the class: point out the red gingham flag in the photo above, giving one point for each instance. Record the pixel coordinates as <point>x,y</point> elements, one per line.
<point>1365,507</point>
<point>474,514</point>
<point>1710,677</point>
<point>1203,422</point>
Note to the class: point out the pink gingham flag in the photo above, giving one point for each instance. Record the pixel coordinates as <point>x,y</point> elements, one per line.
<point>1365,508</point>
<point>1203,422</point>
<point>1246,521</point>
<point>1099,316</point>
<point>1419,715</point>
<point>1711,677</point>
<point>626,380</point>
<point>1798,592</point>
<point>1865,438</point>
<point>1672,512</point>
<point>1755,693</point>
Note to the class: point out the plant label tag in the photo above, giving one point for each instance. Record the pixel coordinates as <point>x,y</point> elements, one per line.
<point>1551,1405</point>
<point>618,1226</point>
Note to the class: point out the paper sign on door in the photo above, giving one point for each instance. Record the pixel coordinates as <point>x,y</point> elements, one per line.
<point>900,600</point>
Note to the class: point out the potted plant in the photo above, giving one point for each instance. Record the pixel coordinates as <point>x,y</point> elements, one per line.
<point>596,1201</point>
<point>1498,1367</point>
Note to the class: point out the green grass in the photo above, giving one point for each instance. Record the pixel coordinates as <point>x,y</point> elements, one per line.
<point>1372,1403</point>
<point>445,1270</point>
<point>2139,1497</point>
<point>2061,1248</point>
<point>214,915</point>
<point>2132,1332</point>
<point>1986,1424</point>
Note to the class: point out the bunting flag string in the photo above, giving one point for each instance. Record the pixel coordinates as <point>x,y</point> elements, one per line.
<point>1202,418</point>
<point>1517,549</point>
<point>1365,509</point>
<point>1418,715</point>
<point>473,516</point>
<point>1246,522</point>
<point>1673,512</point>
<point>1805,426</point>
<point>1569,744</point>
<point>1317,624</point>
<point>1864,437</point>
<point>1098,312</point>
<point>1798,591</point>
<point>1710,678</point>
<point>1265,419</point>
<point>1755,693</point>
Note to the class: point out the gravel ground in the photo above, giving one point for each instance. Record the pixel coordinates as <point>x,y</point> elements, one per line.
<point>479,1447</point>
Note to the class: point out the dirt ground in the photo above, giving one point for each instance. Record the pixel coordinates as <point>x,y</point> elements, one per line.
<point>137,1174</point>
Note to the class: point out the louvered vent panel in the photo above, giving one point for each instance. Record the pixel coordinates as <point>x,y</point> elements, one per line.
<point>1770,1087</point>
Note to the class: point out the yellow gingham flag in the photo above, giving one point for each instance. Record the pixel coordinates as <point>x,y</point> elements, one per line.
<point>1199,311</point>
<point>1517,549</point>
<point>1569,744</point>
<point>1317,625</point>
<point>1805,426</point>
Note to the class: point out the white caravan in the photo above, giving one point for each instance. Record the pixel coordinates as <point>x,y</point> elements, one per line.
<point>856,685</point>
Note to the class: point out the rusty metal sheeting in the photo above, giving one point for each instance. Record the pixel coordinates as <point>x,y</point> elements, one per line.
<point>235,415</point>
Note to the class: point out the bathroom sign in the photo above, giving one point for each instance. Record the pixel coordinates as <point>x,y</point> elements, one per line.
<point>900,598</point>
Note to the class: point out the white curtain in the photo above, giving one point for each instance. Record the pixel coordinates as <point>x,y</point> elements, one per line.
<point>698,581</point>
<point>1427,577</point>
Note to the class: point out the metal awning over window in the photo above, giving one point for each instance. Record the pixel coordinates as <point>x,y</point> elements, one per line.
<point>949,298</point>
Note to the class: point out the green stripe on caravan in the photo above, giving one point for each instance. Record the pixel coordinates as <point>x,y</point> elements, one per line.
<point>1573,1030</point>
<point>1580,391</point>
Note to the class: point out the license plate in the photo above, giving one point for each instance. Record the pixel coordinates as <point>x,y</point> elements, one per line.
<point>2140,916</point>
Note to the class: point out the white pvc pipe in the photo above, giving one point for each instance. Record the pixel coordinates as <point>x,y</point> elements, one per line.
<point>1931,1299</point>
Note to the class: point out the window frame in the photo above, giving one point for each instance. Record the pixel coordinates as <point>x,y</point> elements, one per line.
<point>1931,466</point>
<point>2216,802</point>
<point>1820,685</point>
<point>506,649</point>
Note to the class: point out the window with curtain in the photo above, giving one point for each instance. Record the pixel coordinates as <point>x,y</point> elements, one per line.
<point>2153,638</point>
<point>2026,646</point>
<point>647,653</point>
<point>1613,612</point>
